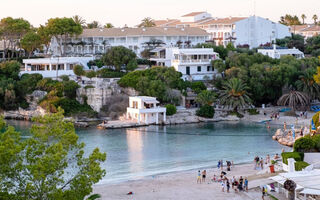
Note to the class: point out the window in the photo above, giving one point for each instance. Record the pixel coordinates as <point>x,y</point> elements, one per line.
<point>188,70</point>
<point>199,68</point>
<point>208,68</point>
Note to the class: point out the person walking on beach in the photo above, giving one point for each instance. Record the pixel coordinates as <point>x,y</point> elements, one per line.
<point>263,193</point>
<point>222,185</point>
<point>219,164</point>
<point>199,177</point>
<point>233,181</point>
<point>204,174</point>
<point>228,186</point>
<point>261,163</point>
<point>268,159</point>
<point>246,184</point>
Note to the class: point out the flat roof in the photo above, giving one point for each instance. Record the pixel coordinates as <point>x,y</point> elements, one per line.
<point>192,14</point>
<point>57,60</point>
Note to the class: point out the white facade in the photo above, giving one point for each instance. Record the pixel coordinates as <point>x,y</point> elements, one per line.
<point>255,31</point>
<point>277,53</point>
<point>98,41</point>
<point>144,109</point>
<point>194,64</point>
<point>54,67</point>
<point>195,16</point>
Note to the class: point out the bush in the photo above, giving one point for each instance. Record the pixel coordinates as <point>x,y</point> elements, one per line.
<point>236,114</point>
<point>88,86</point>
<point>205,111</point>
<point>300,165</point>
<point>109,73</point>
<point>78,70</point>
<point>316,140</point>
<point>91,74</point>
<point>197,87</point>
<point>171,109</point>
<point>304,144</point>
<point>253,111</point>
<point>64,78</point>
<point>297,156</point>
<point>70,89</point>
<point>72,106</point>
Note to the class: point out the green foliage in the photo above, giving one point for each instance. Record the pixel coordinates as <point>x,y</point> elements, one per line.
<point>64,78</point>
<point>253,111</point>
<point>223,52</point>
<point>119,57</point>
<point>312,45</point>
<point>88,86</point>
<point>219,65</point>
<point>290,20</point>
<point>235,113</point>
<point>78,70</point>
<point>91,74</point>
<point>300,165</point>
<point>154,82</point>
<point>198,87</point>
<point>304,144</point>
<point>10,69</point>
<point>72,106</point>
<point>109,73</point>
<point>48,165</point>
<point>171,109</point>
<point>143,61</point>
<point>48,85</point>
<point>70,89</point>
<point>206,97</point>
<point>295,41</point>
<point>297,156</point>
<point>28,83</point>
<point>205,111</point>
<point>30,42</point>
<point>97,62</point>
<point>316,139</point>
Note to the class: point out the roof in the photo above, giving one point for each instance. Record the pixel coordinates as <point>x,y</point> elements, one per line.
<point>150,31</point>
<point>284,51</point>
<point>165,22</point>
<point>312,28</point>
<point>298,27</point>
<point>192,14</point>
<point>228,20</point>
<point>55,60</point>
<point>146,99</point>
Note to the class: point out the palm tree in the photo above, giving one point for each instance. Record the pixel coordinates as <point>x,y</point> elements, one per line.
<point>147,22</point>
<point>94,24</point>
<point>206,98</point>
<point>108,25</point>
<point>315,18</point>
<point>234,94</point>
<point>308,85</point>
<point>94,196</point>
<point>303,17</point>
<point>291,187</point>
<point>79,20</point>
<point>293,99</point>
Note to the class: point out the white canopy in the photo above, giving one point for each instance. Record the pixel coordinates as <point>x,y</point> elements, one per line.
<point>310,191</point>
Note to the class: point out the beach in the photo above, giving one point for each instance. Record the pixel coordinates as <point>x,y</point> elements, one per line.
<point>183,186</point>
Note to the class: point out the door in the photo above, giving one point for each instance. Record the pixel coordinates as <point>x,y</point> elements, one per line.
<point>188,70</point>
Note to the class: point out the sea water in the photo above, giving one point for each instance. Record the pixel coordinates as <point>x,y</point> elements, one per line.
<point>135,153</point>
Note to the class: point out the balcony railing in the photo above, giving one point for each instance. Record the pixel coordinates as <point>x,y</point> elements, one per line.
<point>193,61</point>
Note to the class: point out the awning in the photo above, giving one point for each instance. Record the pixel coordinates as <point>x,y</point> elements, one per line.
<point>150,101</point>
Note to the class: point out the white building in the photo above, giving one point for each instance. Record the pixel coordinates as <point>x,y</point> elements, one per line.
<point>97,41</point>
<point>306,30</point>
<point>55,66</point>
<point>194,64</point>
<point>144,109</point>
<point>245,31</point>
<point>278,52</point>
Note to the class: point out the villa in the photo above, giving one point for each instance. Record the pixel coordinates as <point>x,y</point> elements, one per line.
<point>194,64</point>
<point>306,30</point>
<point>98,41</point>
<point>278,52</point>
<point>55,66</point>
<point>241,31</point>
<point>144,109</point>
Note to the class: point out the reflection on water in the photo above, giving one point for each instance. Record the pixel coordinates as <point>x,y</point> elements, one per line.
<point>139,152</point>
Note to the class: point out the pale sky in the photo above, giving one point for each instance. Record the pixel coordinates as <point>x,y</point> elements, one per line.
<point>130,12</point>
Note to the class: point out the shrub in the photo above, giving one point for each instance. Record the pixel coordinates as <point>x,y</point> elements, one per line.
<point>253,111</point>
<point>78,70</point>
<point>72,106</point>
<point>297,156</point>
<point>197,87</point>
<point>88,86</point>
<point>236,114</point>
<point>109,73</point>
<point>205,111</point>
<point>91,74</point>
<point>316,140</point>
<point>171,109</point>
<point>64,78</point>
<point>70,89</point>
<point>304,144</point>
<point>300,165</point>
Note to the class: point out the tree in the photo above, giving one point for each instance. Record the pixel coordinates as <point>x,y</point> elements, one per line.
<point>303,17</point>
<point>315,18</point>
<point>290,20</point>
<point>307,84</point>
<point>30,42</point>
<point>70,89</point>
<point>294,99</point>
<point>93,24</point>
<point>234,94</point>
<point>108,25</point>
<point>219,65</point>
<point>45,36</point>
<point>48,165</point>
<point>79,20</point>
<point>62,28</point>
<point>91,74</point>
<point>205,111</point>
<point>78,70</point>
<point>206,97</point>
<point>147,22</point>
<point>119,57</point>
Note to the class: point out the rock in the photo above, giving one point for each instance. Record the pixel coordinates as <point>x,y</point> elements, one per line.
<point>81,124</point>
<point>38,94</point>
<point>23,114</point>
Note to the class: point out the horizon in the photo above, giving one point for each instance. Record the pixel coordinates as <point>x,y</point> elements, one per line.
<point>120,15</point>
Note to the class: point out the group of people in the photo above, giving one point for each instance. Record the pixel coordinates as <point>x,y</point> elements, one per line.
<point>229,165</point>
<point>259,162</point>
<point>236,184</point>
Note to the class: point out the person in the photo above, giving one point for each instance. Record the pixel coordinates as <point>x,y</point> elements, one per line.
<point>232,181</point>
<point>256,159</point>
<point>219,164</point>
<point>261,163</point>
<point>228,165</point>
<point>268,159</point>
<point>199,177</point>
<point>284,126</point>
<point>263,193</point>
<point>264,113</point>
<point>228,186</point>
<point>214,179</point>
<point>268,125</point>
<point>236,183</point>
<point>221,161</point>
<point>204,174</point>
<point>240,186</point>
<point>276,157</point>
<point>246,184</point>
<point>222,185</point>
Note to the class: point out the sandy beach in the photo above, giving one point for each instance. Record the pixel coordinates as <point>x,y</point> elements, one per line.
<point>183,186</point>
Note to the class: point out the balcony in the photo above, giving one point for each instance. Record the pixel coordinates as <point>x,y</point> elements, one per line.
<point>193,61</point>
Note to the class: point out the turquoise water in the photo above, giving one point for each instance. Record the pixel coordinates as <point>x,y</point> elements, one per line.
<point>140,152</point>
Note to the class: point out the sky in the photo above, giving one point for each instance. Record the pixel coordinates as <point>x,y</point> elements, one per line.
<point>131,12</point>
